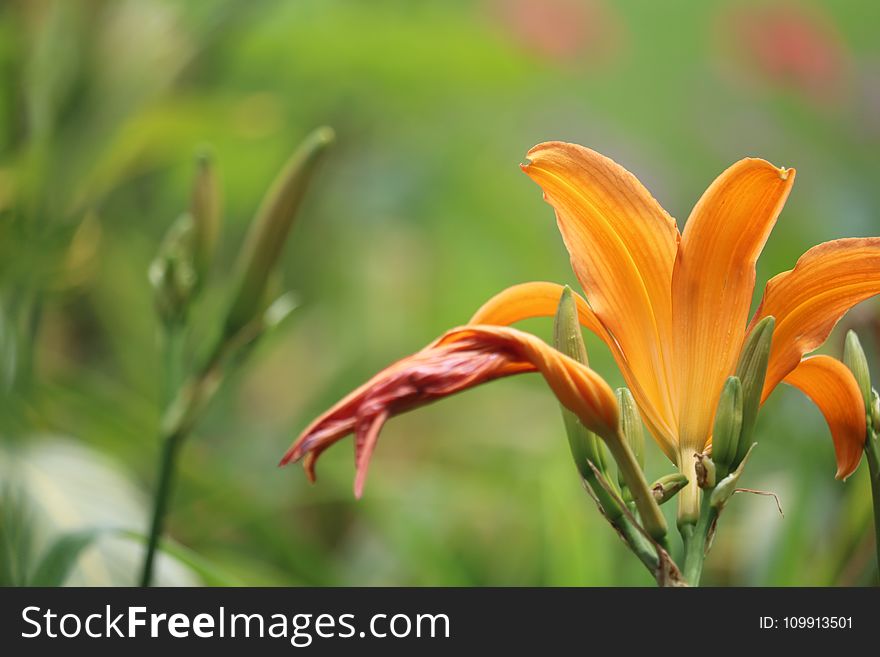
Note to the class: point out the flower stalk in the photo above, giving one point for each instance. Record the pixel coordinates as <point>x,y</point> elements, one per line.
<point>854,358</point>
<point>873,457</point>
<point>649,511</point>
<point>695,538</point>
<point>177,275</point>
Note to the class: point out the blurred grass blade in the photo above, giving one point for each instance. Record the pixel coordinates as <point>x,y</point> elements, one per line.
<point>16,536</point>
<point>60,558</point>
<point>208,572</point>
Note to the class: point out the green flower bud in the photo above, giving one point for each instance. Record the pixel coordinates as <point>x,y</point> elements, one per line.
<point>172,272</point>
<point>205,210</point>
<point>631,424</point>
<point>706,471</point>
<point>728,425</point>
<point>567,337</point>
<point>665,488</point>
<point>875,412</point>
<point>631,430</point>
<point>751,371</point>
<point>854,359</point>
<point>727,486</point>
<point>569,340</point>
<point>268,231</point>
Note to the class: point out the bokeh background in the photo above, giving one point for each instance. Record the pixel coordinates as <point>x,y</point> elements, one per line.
<point>417,216</point>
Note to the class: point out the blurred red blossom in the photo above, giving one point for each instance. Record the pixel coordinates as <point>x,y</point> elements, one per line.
<point>789,45</point>
<point>582,31</point>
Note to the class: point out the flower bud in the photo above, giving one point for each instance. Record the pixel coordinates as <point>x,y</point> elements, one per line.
<point>728,425</point>
<point>631,430</point>
<point>172,272</point>
<point>268,231</point>
<point>587,446</point>
<point>205,210</point>
<point>706,471</point>
<point>665,488</point>
<point>751,371</point>
<point>854,359</point>
<point>567,337</point>
<point>631,424</point>
<point>875,411</point>
<point>727,486</point>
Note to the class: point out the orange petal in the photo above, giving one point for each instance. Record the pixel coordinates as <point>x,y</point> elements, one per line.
<point>810,299</point>
<point>461,359</point>
<point>541,299</point>
<point>713,282</point>
<point>535,299</point>
<point>622,246</point>
<point>833,388</point>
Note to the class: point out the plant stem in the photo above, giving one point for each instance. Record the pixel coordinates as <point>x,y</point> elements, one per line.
<point>695,537</point>
<point>167,467</point>
<point>639,545</point>
<point>171,440</point>
<point>651,516</point>
<point>871,451</point>
<point>610,508</point>
<point>185,401</point>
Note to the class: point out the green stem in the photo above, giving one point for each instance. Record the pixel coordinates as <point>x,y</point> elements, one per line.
<point>171,440</point>
<point>695,537</point>
<point>637,543</point>
<point>651,516</point>
<point>871,451</point>
<point>185,401</point>
<point>167,466</point>
<point>174,365</point>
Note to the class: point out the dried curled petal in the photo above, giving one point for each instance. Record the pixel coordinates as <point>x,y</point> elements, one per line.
<point>461,359</point>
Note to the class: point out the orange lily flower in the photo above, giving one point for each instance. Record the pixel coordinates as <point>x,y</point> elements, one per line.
<point>672,308</point>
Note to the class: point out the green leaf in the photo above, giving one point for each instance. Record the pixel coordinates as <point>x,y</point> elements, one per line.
<point>16,536</point>
<point>210,574</point>
<point>59,560</point>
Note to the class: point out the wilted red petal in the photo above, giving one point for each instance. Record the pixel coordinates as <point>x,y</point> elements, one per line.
<point>461,359</point>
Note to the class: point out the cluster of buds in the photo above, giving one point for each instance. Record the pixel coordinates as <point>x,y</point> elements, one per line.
<point>181,267</point>
<point>735,417</point>
<point>182,264</point>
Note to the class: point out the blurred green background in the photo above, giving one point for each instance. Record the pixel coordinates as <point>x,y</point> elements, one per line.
<point>417,216</point>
